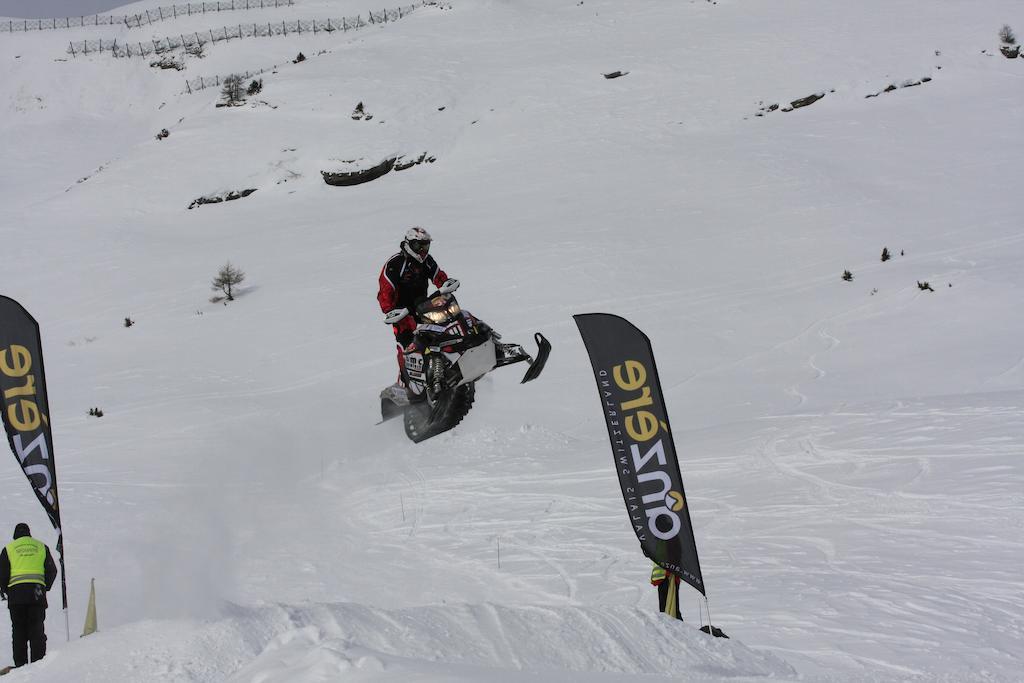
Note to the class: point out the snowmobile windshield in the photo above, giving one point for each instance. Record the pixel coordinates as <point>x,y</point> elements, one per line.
<point>438,309</point>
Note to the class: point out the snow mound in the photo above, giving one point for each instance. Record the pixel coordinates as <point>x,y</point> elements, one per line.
<point>283,643</point>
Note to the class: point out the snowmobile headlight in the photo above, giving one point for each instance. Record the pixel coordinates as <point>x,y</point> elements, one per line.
<point>443,315</point>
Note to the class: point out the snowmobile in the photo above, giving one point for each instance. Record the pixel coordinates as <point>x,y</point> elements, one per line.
<point>453,349</point>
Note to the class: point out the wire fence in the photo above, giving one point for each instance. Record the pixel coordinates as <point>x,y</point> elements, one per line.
<point>142,19</point>
<point>384,16</point>
<point>197,40</point>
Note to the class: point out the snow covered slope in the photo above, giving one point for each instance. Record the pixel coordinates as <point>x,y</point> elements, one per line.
<point>851,450</point>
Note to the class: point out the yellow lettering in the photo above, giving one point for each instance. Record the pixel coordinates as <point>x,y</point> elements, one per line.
<point>648,426</point>
<point>635,376</point>
<point>30,412</point>
<point>22,361</point>
<point>28,390</point>
<point>644,400</point>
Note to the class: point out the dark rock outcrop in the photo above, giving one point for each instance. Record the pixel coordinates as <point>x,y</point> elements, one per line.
<point>358,177</point>
<point>806,101</point>
<point>224,197</point>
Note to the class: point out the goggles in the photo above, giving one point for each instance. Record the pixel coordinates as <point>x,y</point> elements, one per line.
<point>421,247</point>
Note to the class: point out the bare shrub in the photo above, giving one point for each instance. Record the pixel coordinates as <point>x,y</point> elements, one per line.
<point>233,90</point>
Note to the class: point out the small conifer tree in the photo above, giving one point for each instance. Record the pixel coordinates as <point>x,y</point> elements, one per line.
<point>885,254</point>
<point>847,275</point>
<point>228,277</point>
<point>1006,35</point>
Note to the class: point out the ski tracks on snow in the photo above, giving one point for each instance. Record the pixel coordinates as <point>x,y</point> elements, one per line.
<point>902,524</point>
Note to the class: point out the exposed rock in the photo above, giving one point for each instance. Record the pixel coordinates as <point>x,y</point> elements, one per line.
<point>168,62</point>
<point>806,101</point>
<point>223,197</point>
<point>1010,51</point>
<point>359,176</point>
<point>403,162</point>
<point>615,74</point>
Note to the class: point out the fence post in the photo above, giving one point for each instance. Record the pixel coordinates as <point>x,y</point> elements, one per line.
<point>188,86</point>
<point>72,46</point>
<point>85,46</point>
<point>161,9</point>
<point>142,53</point>
<point>285,27</point>
<point>113,48</point>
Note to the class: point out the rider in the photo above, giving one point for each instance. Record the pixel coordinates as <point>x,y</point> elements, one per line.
<point>403,282</point>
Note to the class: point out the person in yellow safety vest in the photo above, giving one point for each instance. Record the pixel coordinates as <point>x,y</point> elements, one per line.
<point>27,571</point>
<point>668,591</point>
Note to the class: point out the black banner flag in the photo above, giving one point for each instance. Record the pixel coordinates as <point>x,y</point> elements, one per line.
<point>26,411</point>
<point>642,445</point>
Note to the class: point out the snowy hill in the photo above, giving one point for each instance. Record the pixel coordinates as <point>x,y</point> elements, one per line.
<point>851,450</point>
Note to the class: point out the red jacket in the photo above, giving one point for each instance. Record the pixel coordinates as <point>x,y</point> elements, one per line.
<point>404,280</point>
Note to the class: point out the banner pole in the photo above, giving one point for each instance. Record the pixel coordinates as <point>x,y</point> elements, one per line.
<point>711,626</point>
<point>64,589</point>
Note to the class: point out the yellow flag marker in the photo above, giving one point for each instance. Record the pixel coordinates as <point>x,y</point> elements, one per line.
<point>90,612</point>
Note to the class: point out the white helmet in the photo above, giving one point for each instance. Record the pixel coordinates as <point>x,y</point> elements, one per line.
<point>417,243</point>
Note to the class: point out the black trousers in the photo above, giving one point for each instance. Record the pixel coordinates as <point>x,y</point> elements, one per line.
<point>27,628</point>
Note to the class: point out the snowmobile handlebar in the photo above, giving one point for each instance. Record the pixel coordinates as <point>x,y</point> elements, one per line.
<point>393,316</point>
